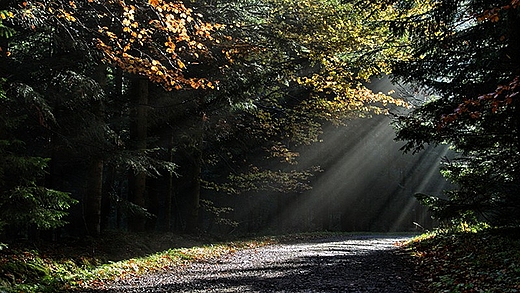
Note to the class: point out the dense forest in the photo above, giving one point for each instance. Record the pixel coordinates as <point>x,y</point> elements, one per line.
<point>255,116</point>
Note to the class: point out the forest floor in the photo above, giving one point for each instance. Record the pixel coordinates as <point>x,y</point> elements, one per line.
<point>441,261</point>
<point>467,259</point>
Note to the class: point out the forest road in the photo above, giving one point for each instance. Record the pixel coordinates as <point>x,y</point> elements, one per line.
<point>338,264</point>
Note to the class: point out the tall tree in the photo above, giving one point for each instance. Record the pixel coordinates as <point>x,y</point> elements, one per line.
<point>152,40</point>
<point>139,135</point>
<point>464,56</point>
<point>26,201</point>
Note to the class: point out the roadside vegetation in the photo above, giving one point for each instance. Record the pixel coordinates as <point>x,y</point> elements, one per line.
<point>81,263</point>
<point>53,268</point>
<point>461,258</point>
<point>467,258</point>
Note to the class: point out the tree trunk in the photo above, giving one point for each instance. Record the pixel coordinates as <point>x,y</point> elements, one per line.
<point>139,134</point>
<point>92,204</point>
<point>152,203</point>
<point>192,221</point>
<point>94,190</point>
<point>170,193</point>
<point>107,198</point>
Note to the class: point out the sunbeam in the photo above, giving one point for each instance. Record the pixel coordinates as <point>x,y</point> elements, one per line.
<point>367,184</point>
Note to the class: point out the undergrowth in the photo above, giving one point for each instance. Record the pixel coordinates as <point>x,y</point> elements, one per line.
<point>469,259</point>
<point>25,270</point>
<point>86,263</point>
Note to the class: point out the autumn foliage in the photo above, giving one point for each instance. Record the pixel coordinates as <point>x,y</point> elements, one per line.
<point>157,39</point>
<point>493,14</point>
<point>160,47</point>
<point>504,96</point>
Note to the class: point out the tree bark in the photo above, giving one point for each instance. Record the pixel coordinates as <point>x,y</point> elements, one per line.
<point>109,179</point>
<point>152,202</point>
<point>170,193</point>
<point>192,221</point>
<point>94,190</point>
<point>92,204</point>
<point>139,133</point>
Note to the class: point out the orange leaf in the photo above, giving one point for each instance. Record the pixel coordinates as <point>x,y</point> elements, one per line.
<point>153,2</point>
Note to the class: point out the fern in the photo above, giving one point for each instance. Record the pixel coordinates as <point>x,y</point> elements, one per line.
<point>23,201</point>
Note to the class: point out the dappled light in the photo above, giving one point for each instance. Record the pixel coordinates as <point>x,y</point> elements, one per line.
<point>336,263</point>
<point>218,120</point>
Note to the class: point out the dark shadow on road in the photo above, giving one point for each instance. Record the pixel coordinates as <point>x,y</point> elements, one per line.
<point>322,266</point>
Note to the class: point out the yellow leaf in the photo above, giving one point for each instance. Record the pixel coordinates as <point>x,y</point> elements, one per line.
<point>180,64</point>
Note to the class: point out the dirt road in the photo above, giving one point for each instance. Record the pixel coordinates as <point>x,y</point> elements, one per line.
<point>339,264</point>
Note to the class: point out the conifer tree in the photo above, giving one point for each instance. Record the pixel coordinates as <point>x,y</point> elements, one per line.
<point>464,57</point>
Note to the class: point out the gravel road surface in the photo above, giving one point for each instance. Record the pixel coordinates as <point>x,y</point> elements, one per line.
<point>339,264</point>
